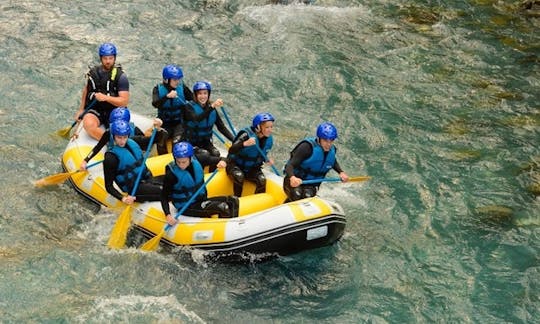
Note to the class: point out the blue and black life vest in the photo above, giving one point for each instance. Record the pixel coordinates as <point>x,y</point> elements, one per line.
<point>249,157</point>
<point>171,110</point>
<point>200,132</point>
<point>317,165</point>
<point>130,159</point>
<point>105,82</point>
<point>186,185</point>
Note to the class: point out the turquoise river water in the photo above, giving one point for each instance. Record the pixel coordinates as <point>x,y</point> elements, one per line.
<point>438,101</point>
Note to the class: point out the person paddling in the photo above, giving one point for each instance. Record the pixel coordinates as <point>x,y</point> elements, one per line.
<point>311,159</point>
<point>122,164</point>
<point>183,177</point>
<point>136,134</point>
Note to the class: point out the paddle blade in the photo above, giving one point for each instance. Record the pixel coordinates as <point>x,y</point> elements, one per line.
<point>152,244</point>
<point>64,132</point>
<point>120,229</point>
<point>54,179</point>
<point>360,178</point>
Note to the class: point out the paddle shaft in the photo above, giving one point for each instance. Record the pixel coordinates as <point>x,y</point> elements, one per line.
<point>352,179</point>
<point>224,111</point>
<point>92,164</point>
<point>220,138</point>
<point>256,145</point>
<point>261,152</point>
<point>60,177</point>
<point>146,154</point>
<point>90,105</point>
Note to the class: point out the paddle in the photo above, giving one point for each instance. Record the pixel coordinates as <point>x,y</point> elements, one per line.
<point>120,229</point>
<point>257,146</point>
<point>221,139</point>
<point>153,244</point>
<point>59,178</point>
<point>64,132</point>
<point>228,120</point>
<point>261,152</point>
<point>352,179</point>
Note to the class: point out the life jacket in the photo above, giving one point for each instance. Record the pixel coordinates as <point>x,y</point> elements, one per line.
<point>317,165</point>
<point>200,133</point>
<point>249,157</point>
<point>171,111</point>
<point>185,185</point>
<point>105,82</point>
<point>130,159</point>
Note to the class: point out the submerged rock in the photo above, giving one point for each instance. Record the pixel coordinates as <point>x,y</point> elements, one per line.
<point>530,8</point>
<point>419,15</point>
<point>495,213</point>
<point>534,189</point>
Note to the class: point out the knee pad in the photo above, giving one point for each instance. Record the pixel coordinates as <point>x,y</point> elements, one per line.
<point>310,192</point>
<point>260,182</point>
<point>234,205</point>
<point>296,194</point>
<point>219,207</point>
<point>214,151</point>
<point>224,210</point>
<point>201,154</point>
<point>238,175</point>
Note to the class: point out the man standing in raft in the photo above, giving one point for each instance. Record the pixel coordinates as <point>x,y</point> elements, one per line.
<point>311,159</point>
<point>107,87</point>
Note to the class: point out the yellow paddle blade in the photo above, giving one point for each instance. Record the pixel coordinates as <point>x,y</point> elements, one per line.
<point>152,245</point>
<point>361,178</point>
<point>64,132</point>
<point>120,229</point>
<point>54,179</point>
<point>228,145</point>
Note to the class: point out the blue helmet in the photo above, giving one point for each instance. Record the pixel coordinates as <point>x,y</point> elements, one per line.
<point>182,150</point>
<point>202,85</point>
<point>120,128</point>
<point>261,118</point>
<point>172,71</point>
<point>120,113</point>
<point>107,49</point>
<point>327,131</point>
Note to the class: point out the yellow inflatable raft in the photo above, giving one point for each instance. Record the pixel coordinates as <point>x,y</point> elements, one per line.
<point>264,225</point>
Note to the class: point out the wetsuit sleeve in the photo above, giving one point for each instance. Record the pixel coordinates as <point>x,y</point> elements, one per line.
<point>169,181</point>
<point>110,165</point>
<point>336,166</point>
<point>238,142</point>
<point>156,100</point>
<point>223,129</point>
<point>298,155</point>
<point>188,95</point>
<point>102,142</point>
<point>209,160</point>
